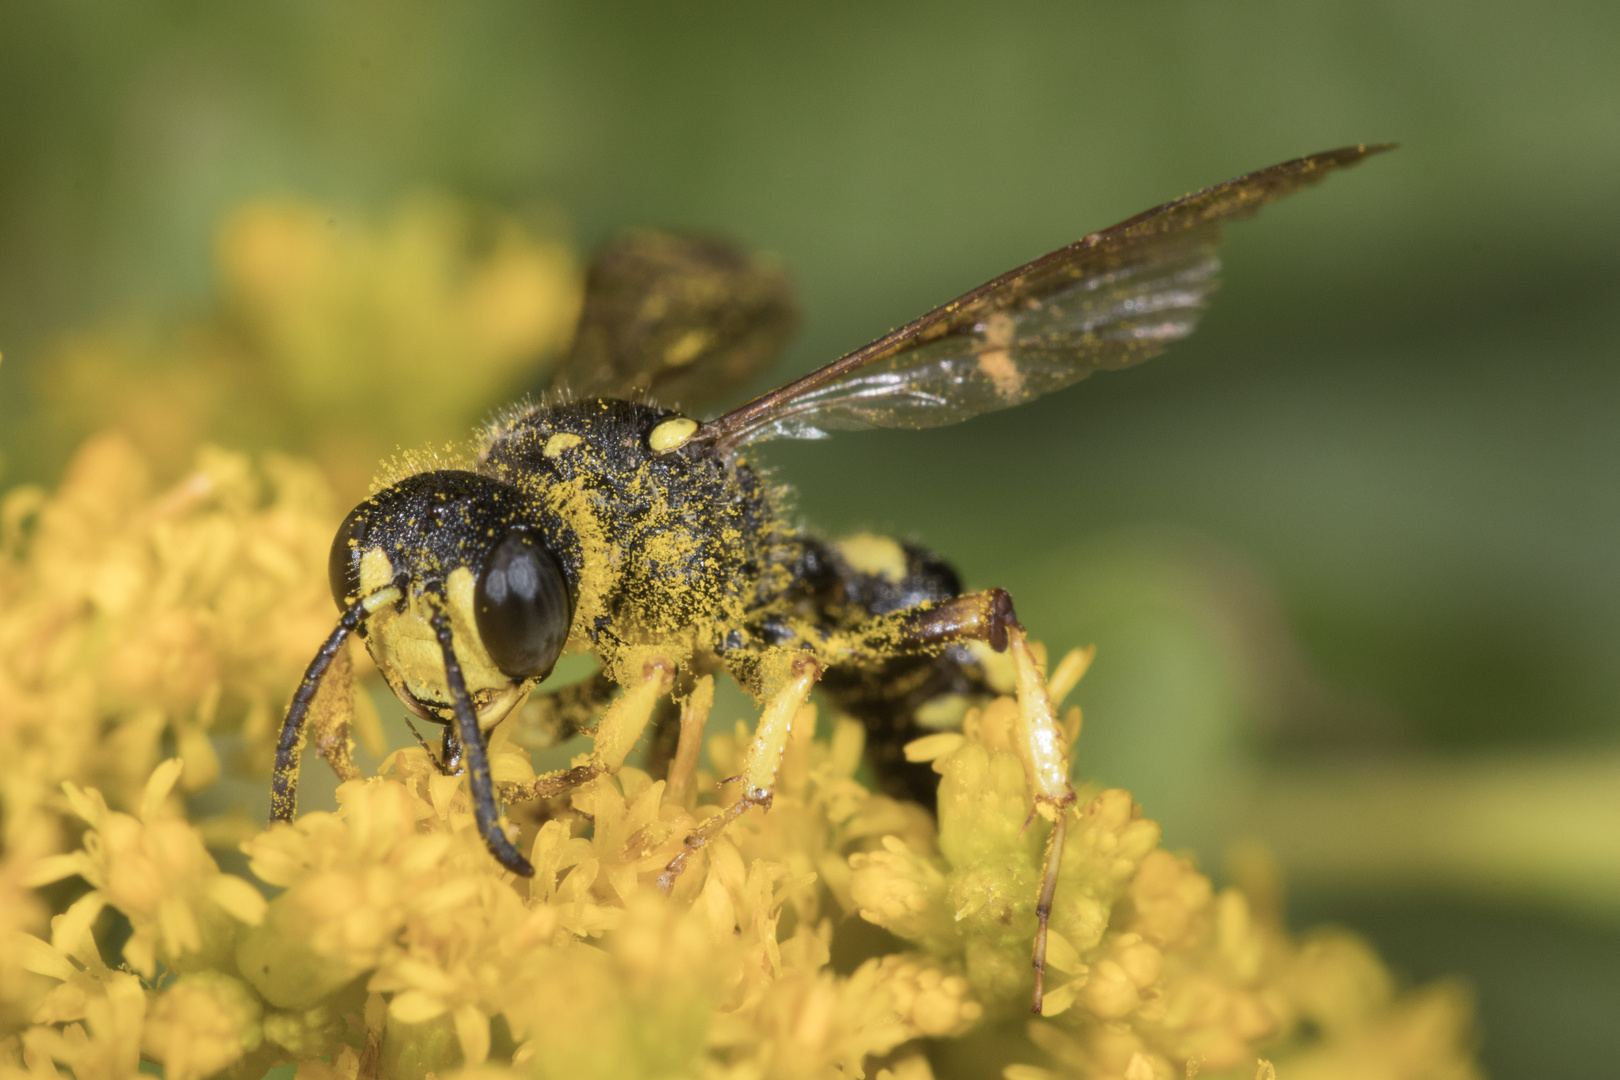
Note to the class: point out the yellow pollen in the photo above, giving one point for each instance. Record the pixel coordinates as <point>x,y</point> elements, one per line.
<point>996,362</point>
<point>671,434</point>
<point>560,442</point>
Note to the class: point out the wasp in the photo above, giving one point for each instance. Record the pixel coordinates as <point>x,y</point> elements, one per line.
<point>600,521</point>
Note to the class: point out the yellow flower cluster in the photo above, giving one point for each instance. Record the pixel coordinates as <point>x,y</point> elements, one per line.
<point>134,616</point>
<point>347,335</point>
<point>134,624</point>
<point>841,934</point>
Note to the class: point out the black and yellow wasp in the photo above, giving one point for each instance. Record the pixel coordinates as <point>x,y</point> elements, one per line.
<point>601,522</point>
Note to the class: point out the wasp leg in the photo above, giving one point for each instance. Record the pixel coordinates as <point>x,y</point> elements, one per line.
<point>624,721</point>
<point>548,719</point>
<point>1046,762</point>
<point>427,748</point>
<point>1043,904</point>
<point>761,761</point>
<point>989,617</point>
<point>694,715</point>
<point>616,733</point>
<point>664,739</point>
<point>985,616</point>
<point>925,629</point>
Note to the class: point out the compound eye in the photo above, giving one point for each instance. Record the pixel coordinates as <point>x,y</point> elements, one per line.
<point>343,564</point>
<point>522,607</point>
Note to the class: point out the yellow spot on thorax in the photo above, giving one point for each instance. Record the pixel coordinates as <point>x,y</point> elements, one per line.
<point>878,556</point>
<point>671,434</point>
<point>560,442</point>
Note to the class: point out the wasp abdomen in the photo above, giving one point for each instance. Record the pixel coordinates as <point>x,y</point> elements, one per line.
<point>899,697</point>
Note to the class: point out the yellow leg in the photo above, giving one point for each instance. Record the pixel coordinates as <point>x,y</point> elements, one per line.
<point>1044,749</point>
<point>621,725</point>
<point>797,676</point>
<point>625,719</point>
<point>694,714</point>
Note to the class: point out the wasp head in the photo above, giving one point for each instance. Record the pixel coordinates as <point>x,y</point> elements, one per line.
<point>457,548</point>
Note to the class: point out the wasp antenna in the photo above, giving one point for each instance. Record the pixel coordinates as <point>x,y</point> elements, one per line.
<point>284,786</point>
<point>476,755</point>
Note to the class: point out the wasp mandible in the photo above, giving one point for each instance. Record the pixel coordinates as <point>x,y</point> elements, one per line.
<point>598,521</point>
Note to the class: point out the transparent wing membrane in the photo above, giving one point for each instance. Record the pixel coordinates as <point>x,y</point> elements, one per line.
<point>1109,300</point>
<point>1093,323</point>
<point>681,318</point>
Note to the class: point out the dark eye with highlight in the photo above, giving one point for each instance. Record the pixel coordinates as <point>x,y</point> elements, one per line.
<point>522,607</point>
<point>343,563</point>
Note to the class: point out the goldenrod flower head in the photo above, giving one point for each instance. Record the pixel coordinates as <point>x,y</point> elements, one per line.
<point>91,1023</point>
<point>134,616</point>
<point>201,1024</point>
<point>349,333</point>
<point>394,946</point>
<point>157,872</point>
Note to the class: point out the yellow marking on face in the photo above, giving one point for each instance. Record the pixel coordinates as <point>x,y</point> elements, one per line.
<point>559,442</point>
<point>996,362</point>
<point>376,572</point>
<point>406,650</point>
<point>878,556</point>
<point>671,434</point>
<point>687,348</point>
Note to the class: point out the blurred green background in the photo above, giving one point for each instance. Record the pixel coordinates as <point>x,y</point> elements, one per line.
<point>1348,554</point>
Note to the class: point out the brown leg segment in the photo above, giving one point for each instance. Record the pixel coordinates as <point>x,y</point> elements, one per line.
<point>1043,907</point>
<point>982,616</point>
<point>698,839</point>
<point>925,629</point>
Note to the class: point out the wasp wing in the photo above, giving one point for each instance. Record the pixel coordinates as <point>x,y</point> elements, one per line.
<point>1112,299</point>
<point>679,318</point>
